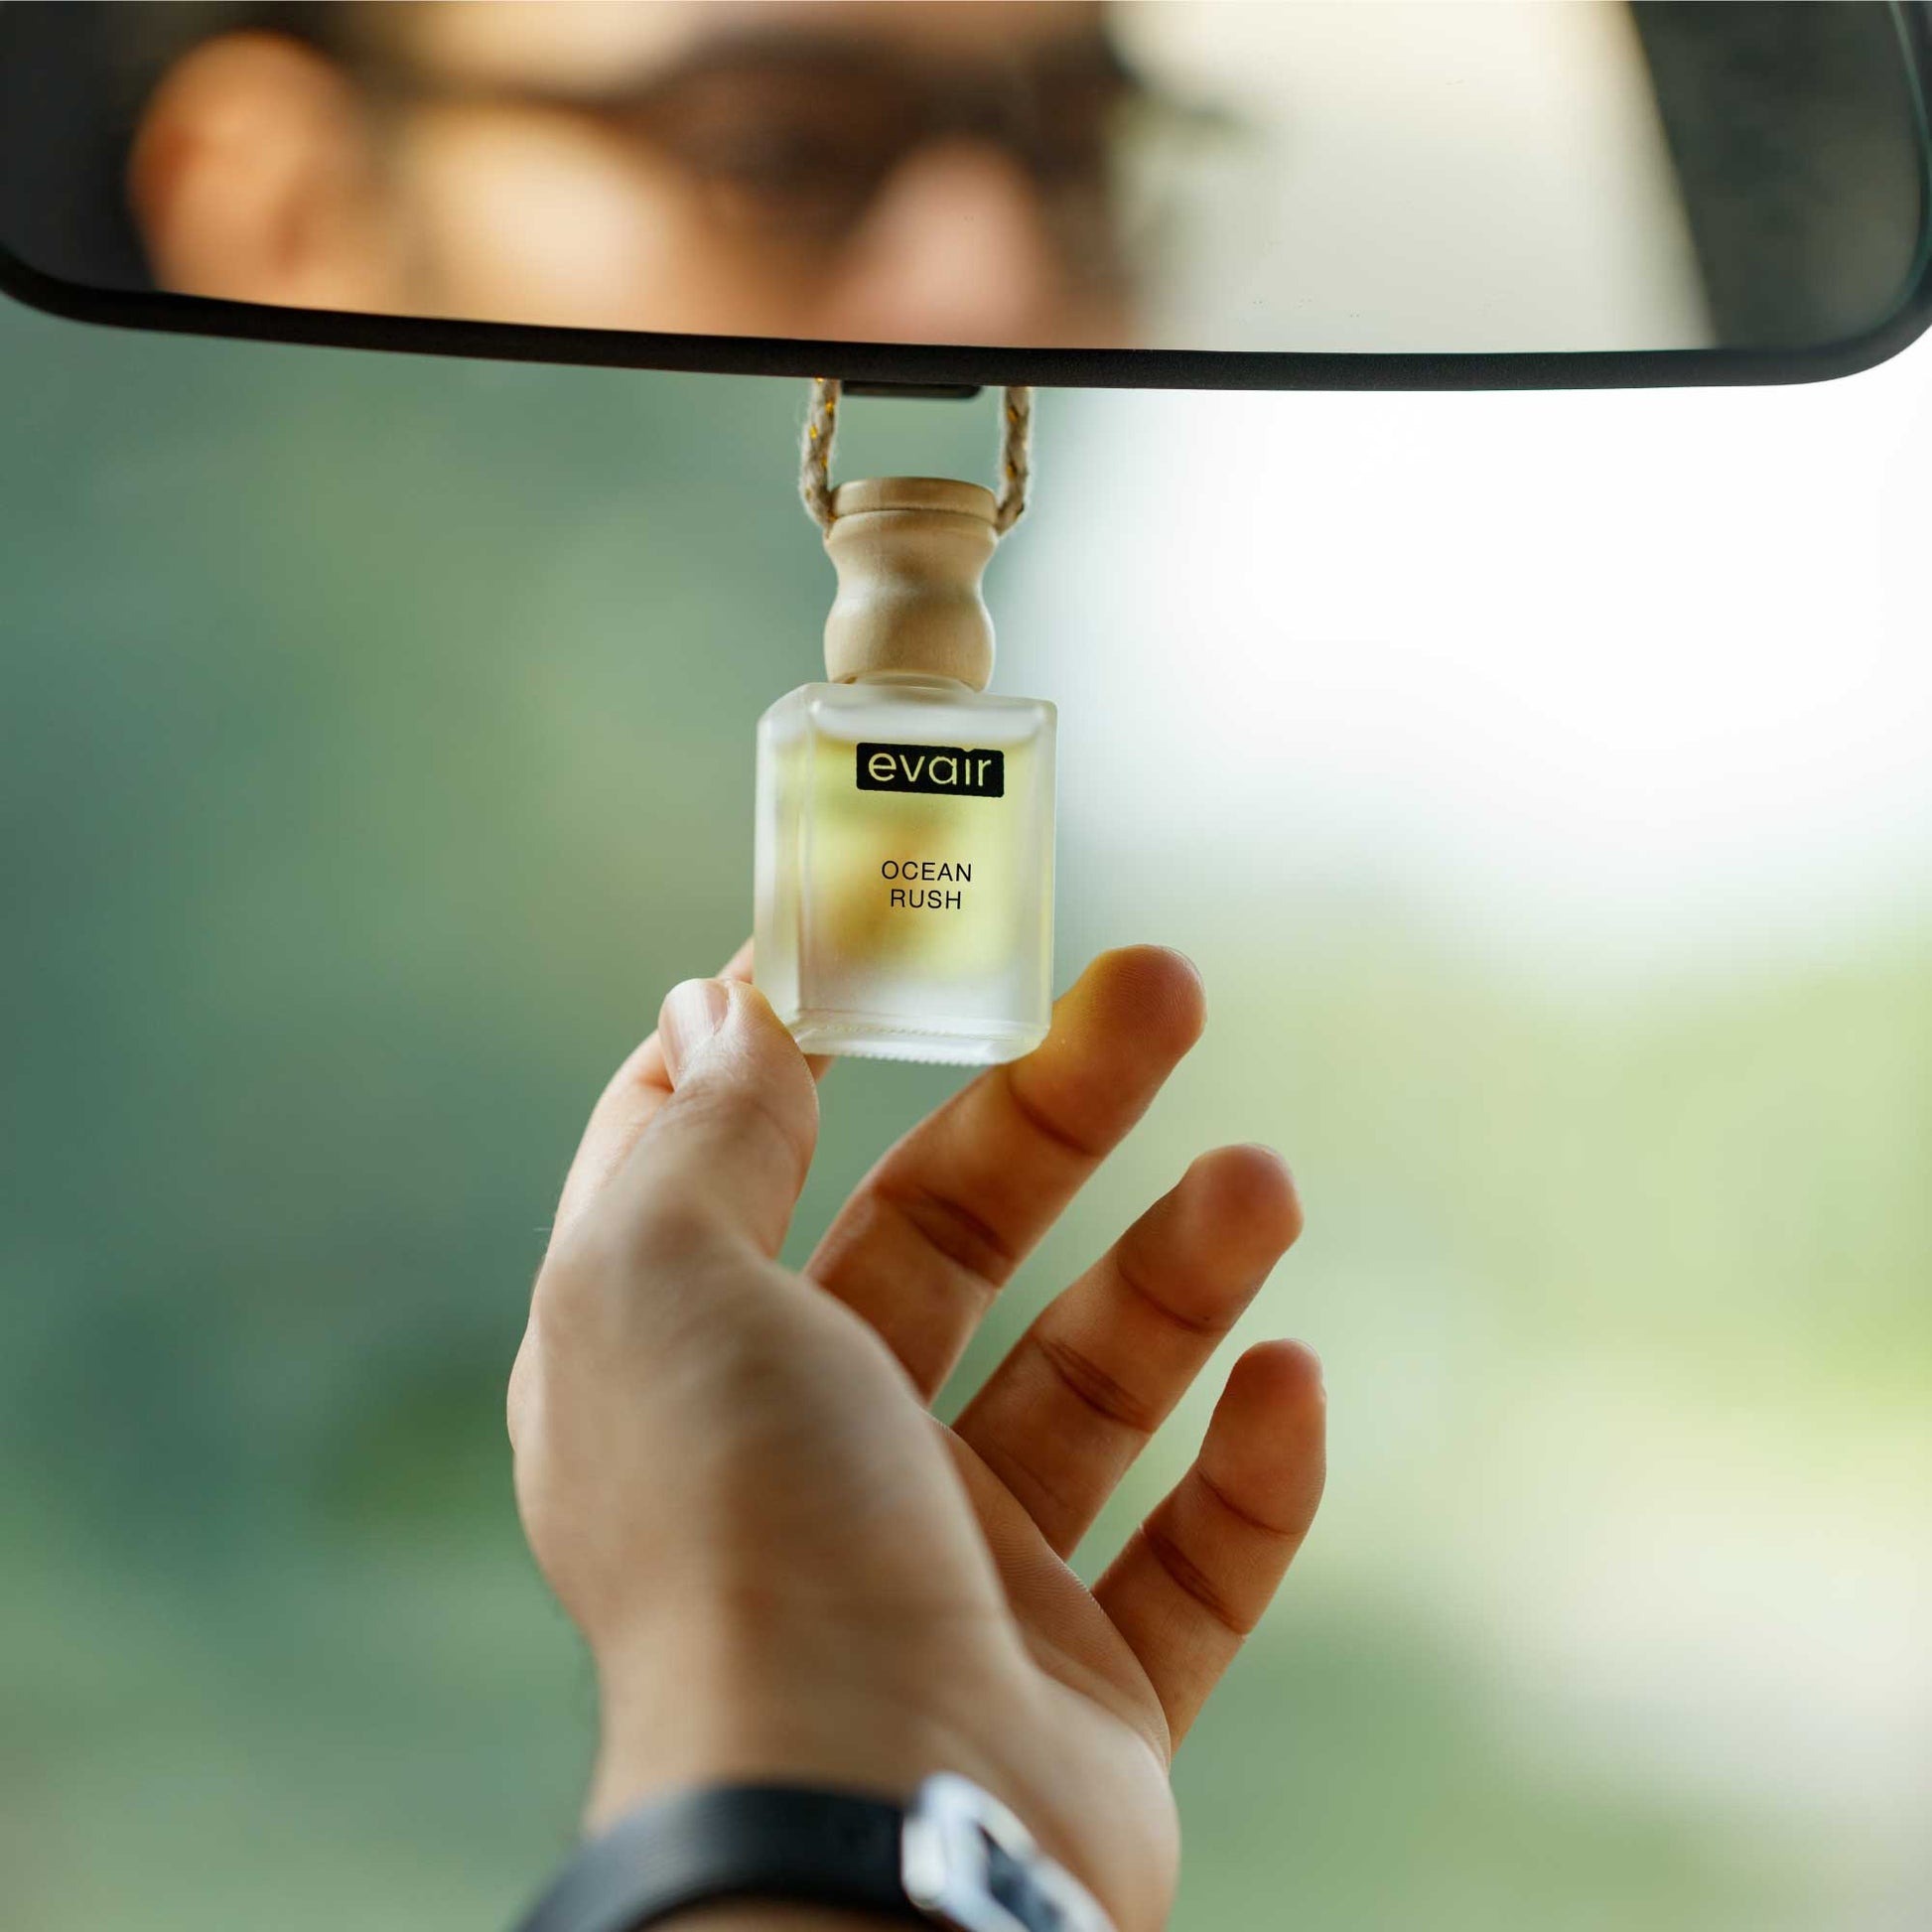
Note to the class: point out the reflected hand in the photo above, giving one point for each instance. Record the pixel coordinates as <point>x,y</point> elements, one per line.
<point>785,1567</point>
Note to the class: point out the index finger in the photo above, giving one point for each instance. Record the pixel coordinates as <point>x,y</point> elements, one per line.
<point>626,1107</point>
<point>942,1221</point>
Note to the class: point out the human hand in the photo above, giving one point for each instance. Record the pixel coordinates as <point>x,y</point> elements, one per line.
<point>787,1569</point>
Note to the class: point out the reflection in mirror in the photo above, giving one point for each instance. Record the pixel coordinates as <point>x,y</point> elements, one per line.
<point>1409,176</point>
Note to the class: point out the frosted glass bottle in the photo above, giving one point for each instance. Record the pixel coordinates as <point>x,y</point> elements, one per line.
<point>905,868</point>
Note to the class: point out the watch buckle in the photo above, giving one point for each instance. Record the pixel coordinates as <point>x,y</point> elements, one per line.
<point>967,1861</point>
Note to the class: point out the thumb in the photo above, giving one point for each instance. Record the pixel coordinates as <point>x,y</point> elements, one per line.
<point>727,1153</point>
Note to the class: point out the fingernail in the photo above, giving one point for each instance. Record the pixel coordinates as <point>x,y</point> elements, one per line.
<point>693,1010</point>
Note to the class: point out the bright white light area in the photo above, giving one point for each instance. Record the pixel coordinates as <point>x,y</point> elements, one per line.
<point>1423,174</point>
<point>1645,674</point>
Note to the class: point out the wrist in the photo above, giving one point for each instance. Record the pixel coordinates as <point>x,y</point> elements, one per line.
<point>694,1708</point>
<point>885,1758</point>
<point>691,1708</point>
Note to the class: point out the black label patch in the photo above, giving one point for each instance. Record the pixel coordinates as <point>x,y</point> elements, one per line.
<point>946,768</point>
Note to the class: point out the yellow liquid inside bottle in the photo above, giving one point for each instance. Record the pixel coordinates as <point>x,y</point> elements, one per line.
<point>903,911</point>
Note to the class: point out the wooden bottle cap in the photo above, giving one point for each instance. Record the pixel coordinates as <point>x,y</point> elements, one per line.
<point>910,552</point>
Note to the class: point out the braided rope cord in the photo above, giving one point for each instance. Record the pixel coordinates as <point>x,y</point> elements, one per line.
<point>822,433</point>
<point>815,455</point>
<point>1016,456</point>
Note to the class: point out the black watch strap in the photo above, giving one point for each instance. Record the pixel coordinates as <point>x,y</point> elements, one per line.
<point>775,1842</point>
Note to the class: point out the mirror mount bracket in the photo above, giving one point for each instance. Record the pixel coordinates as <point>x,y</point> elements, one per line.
<point>923,391</point>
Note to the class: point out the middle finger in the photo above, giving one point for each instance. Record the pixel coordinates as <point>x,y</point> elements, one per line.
<point>1062,1417</point>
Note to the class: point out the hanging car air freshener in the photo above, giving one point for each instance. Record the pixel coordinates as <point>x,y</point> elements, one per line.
<point>904,873</point>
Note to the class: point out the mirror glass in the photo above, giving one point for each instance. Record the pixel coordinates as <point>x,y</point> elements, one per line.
<point>1407,176</point>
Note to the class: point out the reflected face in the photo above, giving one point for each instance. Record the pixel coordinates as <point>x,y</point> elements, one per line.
<point>1417,176</point>
<point>938,172</point>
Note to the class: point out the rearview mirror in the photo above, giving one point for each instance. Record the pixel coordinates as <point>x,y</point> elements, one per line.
<point>1323,193</point>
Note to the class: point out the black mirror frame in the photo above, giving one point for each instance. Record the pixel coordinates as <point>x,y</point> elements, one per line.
<point>961,369</point>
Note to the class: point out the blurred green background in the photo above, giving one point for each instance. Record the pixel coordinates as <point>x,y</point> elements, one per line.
<point>374,750</point>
